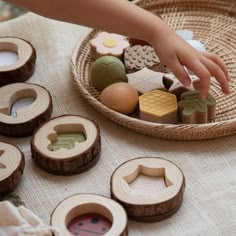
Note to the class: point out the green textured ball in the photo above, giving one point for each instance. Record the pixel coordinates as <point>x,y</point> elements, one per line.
<point>107,70</point>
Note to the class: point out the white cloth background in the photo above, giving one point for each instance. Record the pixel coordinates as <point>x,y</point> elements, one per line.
<point>209,166</point>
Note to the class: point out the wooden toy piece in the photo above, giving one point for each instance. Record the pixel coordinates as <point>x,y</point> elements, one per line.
<point>120,97</point>
<point>194,110</point>
<point>24,66</point>
<point>158,192</point>
<point>26,119</point>
<point>90,214</point>
<point>66,145</point>
<point>105,71</point>
<point>134,41</point>
<point>12,163</point>
<point>105,44</point>
<point>158,106</point>
<point>137,57</point>
<point>146,80</point>
<point>173,85</point>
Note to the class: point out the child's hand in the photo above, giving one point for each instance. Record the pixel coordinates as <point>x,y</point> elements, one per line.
<point>175,53</point>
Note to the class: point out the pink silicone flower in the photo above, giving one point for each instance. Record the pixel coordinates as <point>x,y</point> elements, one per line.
<point>108,44</point>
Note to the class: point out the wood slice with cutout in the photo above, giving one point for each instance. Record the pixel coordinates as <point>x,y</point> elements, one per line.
<point>66,145</point>
<point>77,207</point>
<point>150,189</point>
<point>12,163</point>
<point>24,67</point>
<point>23,120</point>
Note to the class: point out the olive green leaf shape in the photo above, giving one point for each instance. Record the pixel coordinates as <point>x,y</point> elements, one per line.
<point>191,102</point>
<point>192,106</point>
<point>209,100</point>
<point>67,140</point>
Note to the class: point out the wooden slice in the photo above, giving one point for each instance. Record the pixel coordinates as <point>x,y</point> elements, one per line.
<point>66,145</point>
<point>150,189</point>
<point>12,165</point>
<point>26,119</point>
<point>23,69</point>
<point>84,204</point>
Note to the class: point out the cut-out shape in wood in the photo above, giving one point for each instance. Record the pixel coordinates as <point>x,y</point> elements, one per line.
<point>146,80</point>
<point>24,102</point>
<point>89,224</point>
<point>194,110</point>
<point>157,205</point>
<point>67,140</point>
<point>12,163</point>
<point>85,206</point>
<point>173,85</point>
<point>158,106</point>
<point>147,185</point>
<point>23,107</point>
<point>64,160</point>
<point>7,58</point>
<point>24,67</point>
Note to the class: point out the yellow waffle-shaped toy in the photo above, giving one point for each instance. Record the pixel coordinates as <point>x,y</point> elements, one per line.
<point>158,106</point>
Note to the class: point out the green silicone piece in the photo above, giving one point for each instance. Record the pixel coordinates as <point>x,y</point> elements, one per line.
<point>67,140</point>
<point>209,100</point>
<point>107,70</point>
<point>191,106</point>
<point>191,102</point>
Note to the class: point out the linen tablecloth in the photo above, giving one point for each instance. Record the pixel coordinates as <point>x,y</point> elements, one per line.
<point>209,205</point>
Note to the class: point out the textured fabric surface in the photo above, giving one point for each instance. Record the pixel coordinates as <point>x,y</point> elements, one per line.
<point>209,166</point>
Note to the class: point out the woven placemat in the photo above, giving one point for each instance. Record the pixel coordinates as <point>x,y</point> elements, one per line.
<point>214,23</point>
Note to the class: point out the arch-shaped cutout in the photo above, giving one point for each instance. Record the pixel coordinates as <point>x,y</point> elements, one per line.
<point>146,180</point>
<point>66,136</point>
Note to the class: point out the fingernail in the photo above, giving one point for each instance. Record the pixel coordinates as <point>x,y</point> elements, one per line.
<point>186,82</point>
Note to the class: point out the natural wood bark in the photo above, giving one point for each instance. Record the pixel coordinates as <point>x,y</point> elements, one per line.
<point>67,166</point>
<point>22,73</point>
<point>9,183</point>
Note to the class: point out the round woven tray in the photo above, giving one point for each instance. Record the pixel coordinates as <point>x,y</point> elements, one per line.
<point>212,21</point>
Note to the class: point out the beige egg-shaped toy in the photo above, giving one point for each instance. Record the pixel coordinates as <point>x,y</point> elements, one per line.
<point>12,163</point>
<point>120,97</point>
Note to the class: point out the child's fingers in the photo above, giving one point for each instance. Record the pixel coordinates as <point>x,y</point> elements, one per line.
<point>179,71</point>
<point>218,61</point>
<point>218,73</point>
<point>200,70</point>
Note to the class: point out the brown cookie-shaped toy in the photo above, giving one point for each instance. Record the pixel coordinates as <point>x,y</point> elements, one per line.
<point>137,57</point>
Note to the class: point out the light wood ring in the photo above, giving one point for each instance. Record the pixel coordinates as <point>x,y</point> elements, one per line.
<point>82,204</point>
<point>148,208</point>
<point>28,118</point>
<point>12,163</point>
<point>24,68</point>
<point>66,161</point>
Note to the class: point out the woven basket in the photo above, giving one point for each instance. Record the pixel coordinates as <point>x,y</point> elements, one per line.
<point>212,21</point>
